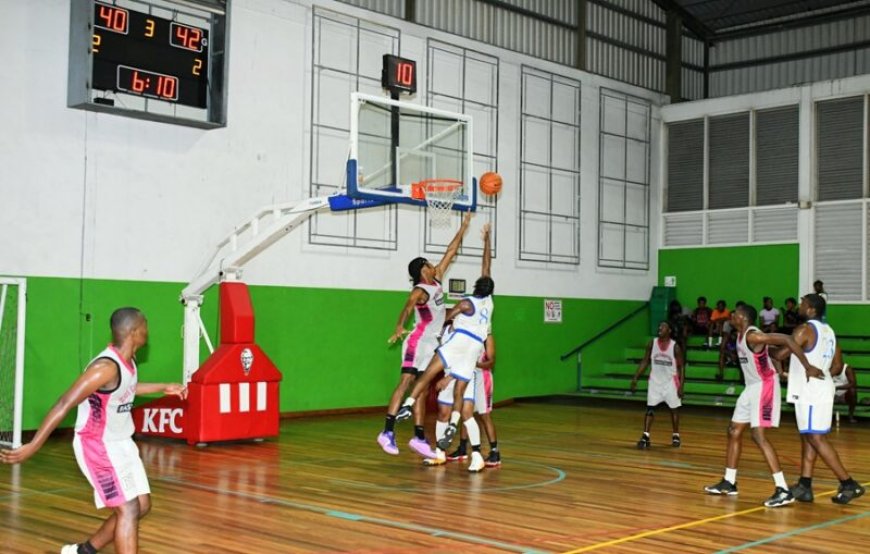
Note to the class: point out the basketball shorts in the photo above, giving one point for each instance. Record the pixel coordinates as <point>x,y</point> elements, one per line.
<point>815,407</point>
<point>460,354</point>
<point>759,405</point>
<point>445,396</point>
<point>114,470</point>
<point>417,352</point>
<point>839,395</point>
<point>663,392</point>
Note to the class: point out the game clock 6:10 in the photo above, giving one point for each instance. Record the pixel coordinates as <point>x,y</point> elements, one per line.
<point>137,53</point>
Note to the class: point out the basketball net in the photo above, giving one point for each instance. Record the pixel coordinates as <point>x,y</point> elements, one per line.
<point>439,195</point>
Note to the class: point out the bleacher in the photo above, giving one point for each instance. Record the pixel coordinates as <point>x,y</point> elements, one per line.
<point>701,387</point>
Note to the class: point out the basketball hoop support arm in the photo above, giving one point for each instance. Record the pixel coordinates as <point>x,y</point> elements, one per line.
<point>266,227</point>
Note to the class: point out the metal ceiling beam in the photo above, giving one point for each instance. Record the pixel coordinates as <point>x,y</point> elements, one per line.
<point>796,23</point>
<point>691,22</point>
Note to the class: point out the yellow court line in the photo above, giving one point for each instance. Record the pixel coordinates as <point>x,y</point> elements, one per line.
<point>695,523</point>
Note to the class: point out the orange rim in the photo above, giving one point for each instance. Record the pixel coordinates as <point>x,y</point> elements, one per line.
<point>419,189</point>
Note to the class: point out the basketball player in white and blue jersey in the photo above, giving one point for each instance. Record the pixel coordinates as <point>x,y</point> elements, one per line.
<point>103,441</point>
<point>812,392</point>
<point>426,301</point>
<point>666,378</point>
<point>758,406</point>
<point>472,320</point>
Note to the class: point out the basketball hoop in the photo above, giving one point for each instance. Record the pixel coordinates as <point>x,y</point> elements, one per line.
<point>439,195</point>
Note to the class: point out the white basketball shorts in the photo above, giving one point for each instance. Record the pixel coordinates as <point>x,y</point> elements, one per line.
<point>114,470</point>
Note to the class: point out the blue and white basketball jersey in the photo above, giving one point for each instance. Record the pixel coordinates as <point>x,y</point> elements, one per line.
<point>478,323</point>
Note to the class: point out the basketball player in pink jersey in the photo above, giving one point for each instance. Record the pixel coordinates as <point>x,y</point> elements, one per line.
<point>758,406</point>
<point>426,301</point>
<point>103,441</point>
<point>665,382</point>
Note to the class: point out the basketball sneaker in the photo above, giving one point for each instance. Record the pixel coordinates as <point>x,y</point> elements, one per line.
<point>722,487</point>
<point>802,493</point>
<point>387,440</point>
<point>781,497</point>
<point>421,447</point>
<point>449,433</point>
<point>458,455</point>
<point>494,459</point>
<point>438,460</point>
<point>643,443</point>
<point>70,549</point>
<point>675,440</point>
<point>847,493</point>
<point>477,463</point>
<point>405,412</point>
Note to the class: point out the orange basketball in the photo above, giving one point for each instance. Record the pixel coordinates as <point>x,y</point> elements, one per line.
<point>490,183</point>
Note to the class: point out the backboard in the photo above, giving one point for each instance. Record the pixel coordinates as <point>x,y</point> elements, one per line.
<point>394,144</point>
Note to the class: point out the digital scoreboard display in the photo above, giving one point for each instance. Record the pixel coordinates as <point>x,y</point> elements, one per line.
<point>141,54</point>
<point>399,74</point>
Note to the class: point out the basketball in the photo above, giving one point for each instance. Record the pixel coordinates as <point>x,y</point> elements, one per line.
<point>490,183</point>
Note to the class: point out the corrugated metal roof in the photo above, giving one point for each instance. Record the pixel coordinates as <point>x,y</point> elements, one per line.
<point>724,15</point>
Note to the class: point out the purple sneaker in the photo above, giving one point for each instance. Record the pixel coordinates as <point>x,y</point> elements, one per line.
<point>422,448</point>
<point>387,440</point>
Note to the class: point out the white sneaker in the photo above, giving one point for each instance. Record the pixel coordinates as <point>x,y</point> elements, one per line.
<point>70,549</point>
<point>477,462</point>
<point>439,460</point>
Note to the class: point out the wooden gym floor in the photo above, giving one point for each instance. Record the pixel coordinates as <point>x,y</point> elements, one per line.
<point>571,480</point>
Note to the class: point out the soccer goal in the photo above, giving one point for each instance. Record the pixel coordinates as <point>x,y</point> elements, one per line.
<point>13,298</point>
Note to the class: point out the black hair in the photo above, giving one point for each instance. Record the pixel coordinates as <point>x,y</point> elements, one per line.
<point>415,268</point>
<point>739,304</point>
<point>721,302</point>
<point>818,282</point>
<point>123,321</point>
<point>817,303</point>
<point>670,327</point>
<point>704,298</point>
<point>791,299</point>
<point>483,287</point>
<point>749,311</point>
<point>766,298</point>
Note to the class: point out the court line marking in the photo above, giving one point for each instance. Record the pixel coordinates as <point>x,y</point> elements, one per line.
<point>681,526</point>
<point>774,538</point>
<point>431,531</point>
<point>560,476</point>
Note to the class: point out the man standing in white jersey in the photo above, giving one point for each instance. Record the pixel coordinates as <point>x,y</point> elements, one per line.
<point>103,442</point>
<point>813,395</point>
<point>472,320</point>
<point>665,382</point>
<point>758,405</point>
<point>426,301</point>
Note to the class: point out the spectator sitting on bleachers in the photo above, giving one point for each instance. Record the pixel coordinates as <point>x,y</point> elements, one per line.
<point>679,322</point>
<point>791,318</point>
<point>769,317</point>
<point>701,318</point>
<point>728,353</point>
<point>718,318</point>
<point>846,391</point>
<point>819,288</point>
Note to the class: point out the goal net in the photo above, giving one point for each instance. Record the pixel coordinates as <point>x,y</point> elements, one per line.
<point>12,303</point>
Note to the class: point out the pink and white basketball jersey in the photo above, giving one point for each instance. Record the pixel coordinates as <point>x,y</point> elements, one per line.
<point>429,317</point>
<point>663,364</point>
<point>106,416</point>
<point>755,365</point>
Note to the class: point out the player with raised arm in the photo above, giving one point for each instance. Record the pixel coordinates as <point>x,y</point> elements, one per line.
<point>426,301</point>
<point>472,318</point>
<point>758,406</point>
<point>812,392</point>
<point>666,380</point>
<point>103,441</point>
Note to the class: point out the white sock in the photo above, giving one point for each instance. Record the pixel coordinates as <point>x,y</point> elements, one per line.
<point>731,475</point>
<point>473,431</point>
<point>779,479</point>
<point>454,418</point>
<point>646,434</point>
<point>409,401</point>
<point>440,427</point>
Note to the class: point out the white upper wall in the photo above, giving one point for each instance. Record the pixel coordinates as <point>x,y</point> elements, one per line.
<point>93,195</point>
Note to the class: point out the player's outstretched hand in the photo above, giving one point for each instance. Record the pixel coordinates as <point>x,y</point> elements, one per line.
<point>633,386</point>
<point>484,232</point>
<point>175,389</point>
<point>400,332</point>
<point>18,455</point>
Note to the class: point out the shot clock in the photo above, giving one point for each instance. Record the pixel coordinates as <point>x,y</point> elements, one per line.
<point>399,75</point>
<point>162,51</point>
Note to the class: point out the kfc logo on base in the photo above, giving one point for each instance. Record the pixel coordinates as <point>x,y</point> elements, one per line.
<point>247,359</point>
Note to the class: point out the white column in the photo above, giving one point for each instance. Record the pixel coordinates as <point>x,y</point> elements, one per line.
<point>806,186</point>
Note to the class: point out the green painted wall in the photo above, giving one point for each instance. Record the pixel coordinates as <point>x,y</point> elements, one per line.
<point>746,273</point>
<point>331,345</point>
<point>749,273</point>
